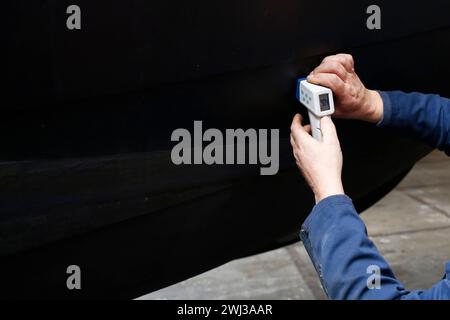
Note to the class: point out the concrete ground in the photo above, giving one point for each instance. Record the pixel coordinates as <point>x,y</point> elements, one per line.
<point>410,226</point>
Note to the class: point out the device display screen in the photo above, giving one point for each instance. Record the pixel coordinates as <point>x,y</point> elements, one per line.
<point>324,102</point>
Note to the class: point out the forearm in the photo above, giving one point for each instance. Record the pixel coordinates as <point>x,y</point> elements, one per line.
<point>426,117</point>
<point>344,257</point>
<point>336,240</point>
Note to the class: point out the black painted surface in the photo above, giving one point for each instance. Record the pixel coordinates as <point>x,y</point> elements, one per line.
<point>86,177</point>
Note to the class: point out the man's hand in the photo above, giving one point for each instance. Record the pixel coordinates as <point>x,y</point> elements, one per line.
<point>352,99</point>
<point>319,162</point>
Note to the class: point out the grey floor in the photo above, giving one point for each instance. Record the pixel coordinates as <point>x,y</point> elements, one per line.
<point>410,226</point>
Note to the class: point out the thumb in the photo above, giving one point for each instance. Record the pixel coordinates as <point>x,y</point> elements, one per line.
<point>328,129</point>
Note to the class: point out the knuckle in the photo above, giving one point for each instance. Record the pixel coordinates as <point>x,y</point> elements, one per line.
<point>292,144</point>
<point>328,58</point>
<point>334,79</point>
<point>347,60</point>
<point>339,68</point>
<point>333,64</point>
<point>350,60</point>
<point>348,56</point>
<point>294,126</point>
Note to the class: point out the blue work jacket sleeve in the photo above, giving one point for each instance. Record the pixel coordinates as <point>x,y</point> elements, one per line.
<point>424,116</point>
<point>347,261</point>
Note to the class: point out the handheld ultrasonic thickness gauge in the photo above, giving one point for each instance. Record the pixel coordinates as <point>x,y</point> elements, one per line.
<point>319,102</point>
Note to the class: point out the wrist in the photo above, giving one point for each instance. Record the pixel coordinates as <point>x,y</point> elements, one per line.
<point>333,190</point>
<point>374,107</point>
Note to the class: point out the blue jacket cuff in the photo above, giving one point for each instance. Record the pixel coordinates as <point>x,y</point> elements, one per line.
<point>319,215</point>
<point>387,109</point>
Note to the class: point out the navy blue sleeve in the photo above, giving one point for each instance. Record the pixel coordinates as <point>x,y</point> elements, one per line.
<point>347,261</point>
<point>425,116</point>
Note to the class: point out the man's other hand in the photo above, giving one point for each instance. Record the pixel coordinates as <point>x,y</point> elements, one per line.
<point>319,161</point>
<point>352,99</point>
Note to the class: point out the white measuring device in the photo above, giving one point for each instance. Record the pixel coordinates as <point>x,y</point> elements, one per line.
<point>319,102</point>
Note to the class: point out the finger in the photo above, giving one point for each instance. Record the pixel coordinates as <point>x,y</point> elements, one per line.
<point>329,80</point>
<point>295,150</point>
<point>345,59</point>
<point>332,66</point>
<point>307,128</point>
<point>328,129</point>
<point>294,147</point>
<point>296,122</point>
<point>300,135</point>
<point>293,144</point>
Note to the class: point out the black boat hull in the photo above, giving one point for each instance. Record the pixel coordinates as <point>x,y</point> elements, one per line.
<point>86,176</point>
